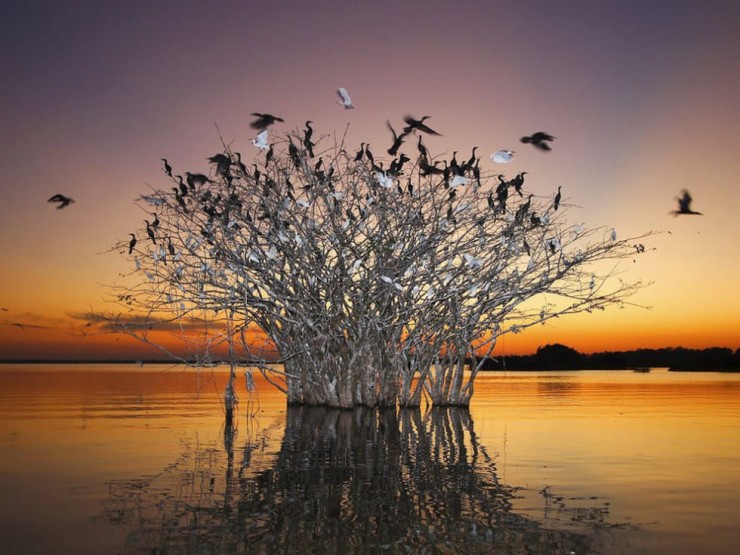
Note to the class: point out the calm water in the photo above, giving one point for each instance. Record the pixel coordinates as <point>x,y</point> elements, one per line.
<point>122,459</point>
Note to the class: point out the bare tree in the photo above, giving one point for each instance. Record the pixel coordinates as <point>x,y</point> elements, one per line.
<point>374,285</point>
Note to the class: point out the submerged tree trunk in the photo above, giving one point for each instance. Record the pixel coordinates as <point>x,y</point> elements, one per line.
<point>230,398</point>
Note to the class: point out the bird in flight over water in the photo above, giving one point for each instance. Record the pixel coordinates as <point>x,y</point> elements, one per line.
<point>684,205</point>
<point>345,99</point>
<point>263,121</point>
<point>62,200</point>
<point>540,140</point>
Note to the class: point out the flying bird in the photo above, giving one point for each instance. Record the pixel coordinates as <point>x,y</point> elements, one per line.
<point>540,140</point>
<point>397,140</point>
<point>261,140</point>
<point>62,200</point>
<point>414,124</point>
<point>502,156</point>
<point>263,121</point>
<point>684,205</point>
<point>345,101</point>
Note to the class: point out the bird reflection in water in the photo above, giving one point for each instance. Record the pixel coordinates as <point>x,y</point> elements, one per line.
<point>362,481</point>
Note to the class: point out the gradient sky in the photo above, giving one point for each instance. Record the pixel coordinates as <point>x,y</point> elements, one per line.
<point>642,97</point>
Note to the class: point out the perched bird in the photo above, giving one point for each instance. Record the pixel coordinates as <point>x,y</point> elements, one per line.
<point>518,182</point>
<point>62,200</point>
<point>223,163</point>
<point>360,153</point>
<point>183,187</point>
<point>613,234</point>
<point>131,243</point>
<point>422,149</point>
<point>429,169</point>
<point>261,140</point>
<point>502,156</point>
<point>369,154</point>
<point>414,124</point>
<point>263,121</point>
<point>684,205</point>
<point>523,209</point>
<point>167,167</point>
<point>540,140</point>
<point>556,202</point>
<point>196,179</point>
<point>345,101</point>
<point>295,155</point>
<point>308,133</point>
<point>150,232</point>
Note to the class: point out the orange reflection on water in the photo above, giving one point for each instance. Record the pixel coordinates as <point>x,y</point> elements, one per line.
<point>663,447</point>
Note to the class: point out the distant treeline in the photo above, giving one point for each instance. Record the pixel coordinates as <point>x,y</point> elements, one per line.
<point>561,357</point>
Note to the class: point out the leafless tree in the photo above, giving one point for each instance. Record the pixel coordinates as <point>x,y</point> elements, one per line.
<point>375,285</point>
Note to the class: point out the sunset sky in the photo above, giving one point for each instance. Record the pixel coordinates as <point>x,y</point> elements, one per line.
<point>642,97</point>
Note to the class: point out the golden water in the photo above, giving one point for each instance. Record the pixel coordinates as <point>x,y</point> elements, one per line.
<point>128,459</point>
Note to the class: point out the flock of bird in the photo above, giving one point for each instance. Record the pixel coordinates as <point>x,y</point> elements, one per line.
<point>540,140</point>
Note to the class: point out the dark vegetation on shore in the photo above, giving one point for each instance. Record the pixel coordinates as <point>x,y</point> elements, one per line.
<point>561,357</point>
<point>550,357</point>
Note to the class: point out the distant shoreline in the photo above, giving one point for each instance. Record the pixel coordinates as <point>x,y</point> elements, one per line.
<point>551,357</point>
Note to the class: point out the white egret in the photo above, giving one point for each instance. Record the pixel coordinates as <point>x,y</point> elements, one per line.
<point>261,140</point>
<point>502,156</point>
<point>345,101</point>
<point>384,180</point>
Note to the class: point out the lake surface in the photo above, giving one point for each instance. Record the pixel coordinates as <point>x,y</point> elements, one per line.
<point>127,459</point>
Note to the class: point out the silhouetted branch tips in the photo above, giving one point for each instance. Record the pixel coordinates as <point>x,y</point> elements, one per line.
<point>373,281</point>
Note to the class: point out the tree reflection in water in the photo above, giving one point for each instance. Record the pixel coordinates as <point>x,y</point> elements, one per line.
<point>361,481</point>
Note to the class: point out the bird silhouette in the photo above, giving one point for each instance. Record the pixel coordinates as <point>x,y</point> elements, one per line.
<point>422,149</point>
<point>62,200</point>
<point>345,101</point>
<point>131,243</point>
<point>523,209</point>
<point>263,121</point>
<point>556,202</point>
<point>308,144</point>
<point>397,140</point>
<point>540,140</point>
<point>150,232</point>
<point>518,182</point>
<point>196,179</point>
<point>222,162</point>
<point>684,205</point>
<point>167,167</point>
<point>414,124</point>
